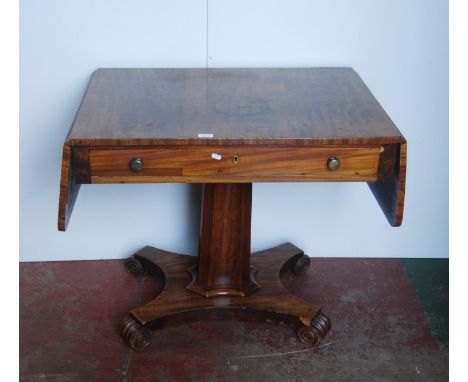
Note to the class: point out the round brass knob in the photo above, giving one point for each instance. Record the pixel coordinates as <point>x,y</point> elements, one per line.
<point>333,163</point>
<point>136,164</point>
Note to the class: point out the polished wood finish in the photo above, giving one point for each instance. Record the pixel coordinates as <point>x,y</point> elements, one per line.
<point>283,124</point>
<point>68,188</point>
<point>227,128</point>
<point>224,269</point>
<point>294,106</point>
<point>272,303</point>
<point>389,190</point>
<point>82,165</point>
<point>234,164</point>
<point>134,334</point>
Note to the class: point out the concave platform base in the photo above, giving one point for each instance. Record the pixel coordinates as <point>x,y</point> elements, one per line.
<point>176,304</point>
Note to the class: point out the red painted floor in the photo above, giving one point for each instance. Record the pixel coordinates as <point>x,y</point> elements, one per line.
<point>70,314</point>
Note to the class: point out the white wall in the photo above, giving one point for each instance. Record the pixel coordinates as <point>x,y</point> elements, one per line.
<point>399,48</point>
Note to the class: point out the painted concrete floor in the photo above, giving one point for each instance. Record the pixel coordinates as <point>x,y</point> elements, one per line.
<point>389,323</point>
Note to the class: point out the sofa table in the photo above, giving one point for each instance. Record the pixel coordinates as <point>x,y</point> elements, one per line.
<point>226,129</point>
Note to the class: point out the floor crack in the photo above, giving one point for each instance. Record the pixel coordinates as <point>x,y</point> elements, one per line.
<point>126,366</point>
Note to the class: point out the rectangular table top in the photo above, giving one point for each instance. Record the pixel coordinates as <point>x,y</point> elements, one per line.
<point>233,126</point>
<point>294,106</point>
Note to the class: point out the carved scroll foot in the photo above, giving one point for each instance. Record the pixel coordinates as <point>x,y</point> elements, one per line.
<point>135,267</point>
<point>314,334</point>
<point>134,334</point>
<point>301,265</point>
<point>271,303</point>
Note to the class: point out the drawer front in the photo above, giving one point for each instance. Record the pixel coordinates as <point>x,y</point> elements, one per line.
<point>233,164</point>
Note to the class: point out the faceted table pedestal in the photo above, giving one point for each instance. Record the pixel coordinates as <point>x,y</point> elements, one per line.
<point>224,281</point>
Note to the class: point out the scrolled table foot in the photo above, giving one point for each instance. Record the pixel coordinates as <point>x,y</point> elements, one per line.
<point>135,267</point>
<point>314,334</point>
<point>134,334</point>
<point>301,265</point>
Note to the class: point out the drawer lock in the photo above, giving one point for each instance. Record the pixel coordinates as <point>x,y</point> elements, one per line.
<point>236,159</point>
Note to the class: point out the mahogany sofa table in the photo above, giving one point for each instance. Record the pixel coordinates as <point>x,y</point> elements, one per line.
<point>228,128</point>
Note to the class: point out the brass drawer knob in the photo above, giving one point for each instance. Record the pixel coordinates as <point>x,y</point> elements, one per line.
<point>136,164</point>
<point>333,163</point>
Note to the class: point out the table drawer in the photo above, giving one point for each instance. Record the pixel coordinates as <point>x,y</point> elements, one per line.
<point>233,164</point>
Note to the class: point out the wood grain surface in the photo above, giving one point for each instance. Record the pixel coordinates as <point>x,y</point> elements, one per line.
<point>294,106</point>
<point>68,188</point>
<point>176,304</point>
<point>234,164</point>
<point>224,250</point>
<point>389,189</point>
<point>282,124</point>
